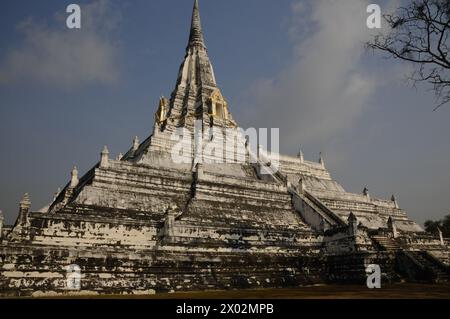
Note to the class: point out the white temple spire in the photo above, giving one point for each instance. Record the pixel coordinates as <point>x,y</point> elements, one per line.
<point>441,237</point>
<point>135,143</point>
<point>394,201</point>
<point>366,193</point>
<point>321,160</point>
<point>74,177</point>
<point>196,36</point>
<point>25,203</point>
<point>104,157</point>
<point>300,155</point>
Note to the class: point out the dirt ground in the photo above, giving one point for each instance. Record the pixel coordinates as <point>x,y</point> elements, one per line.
<point>396,291</point>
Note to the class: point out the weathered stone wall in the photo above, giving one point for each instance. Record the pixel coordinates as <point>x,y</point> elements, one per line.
<point>343,240</point>
<point>138,188</point>
<point>351,268</point>
<point>136,228</point>
<point>38,271</point>
<point>422,241</point>
<point>85,231</point>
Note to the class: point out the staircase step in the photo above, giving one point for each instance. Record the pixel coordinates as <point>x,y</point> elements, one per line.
<point>440,275</point>
<point>386,243</point>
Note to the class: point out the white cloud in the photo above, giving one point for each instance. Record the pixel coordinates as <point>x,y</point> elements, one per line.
<point>56,55</point>
<point>327,85</point>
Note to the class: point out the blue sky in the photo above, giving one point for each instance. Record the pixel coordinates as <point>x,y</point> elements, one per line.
<point>295,64</point>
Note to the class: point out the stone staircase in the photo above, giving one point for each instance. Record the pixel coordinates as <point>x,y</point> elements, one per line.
<point>320,208</point>
<point>386,243</point>
<point>308,198</point>
<point>439,272</point>
<point>311,204</point>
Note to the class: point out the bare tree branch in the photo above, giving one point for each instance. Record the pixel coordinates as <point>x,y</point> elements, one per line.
<point>419,34</point>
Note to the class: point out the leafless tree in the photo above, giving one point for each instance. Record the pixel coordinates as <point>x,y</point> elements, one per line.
<point>419,33</point>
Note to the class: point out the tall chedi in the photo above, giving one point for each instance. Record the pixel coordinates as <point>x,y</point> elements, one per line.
<point>196,95</point>
<point>196,99</point>
<point>142,223</point>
